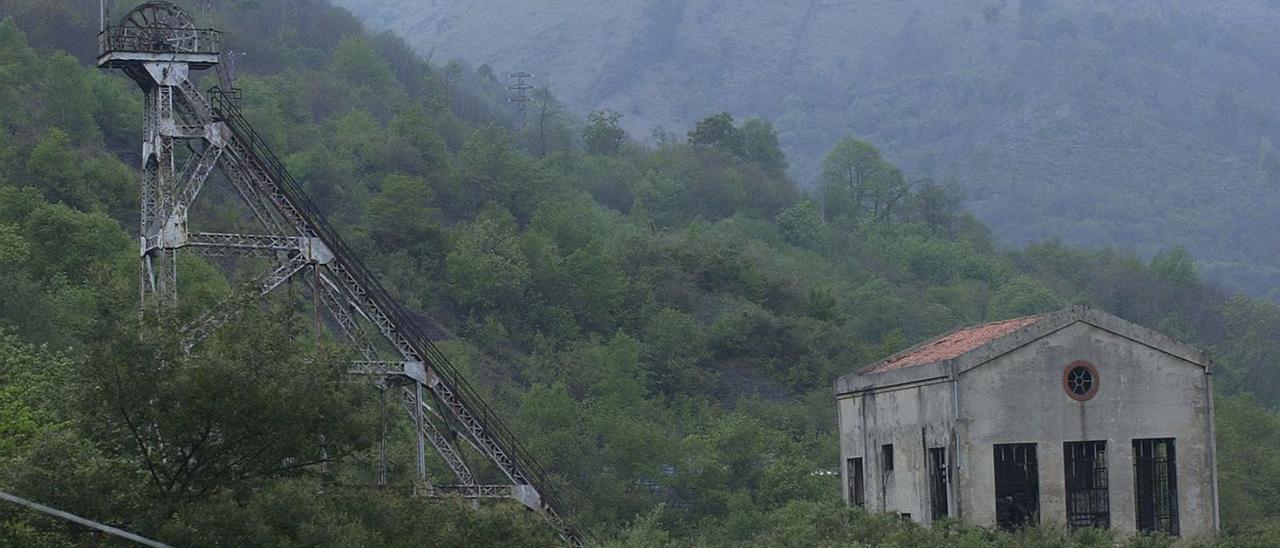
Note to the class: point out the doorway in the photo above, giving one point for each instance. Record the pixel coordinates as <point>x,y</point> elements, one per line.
<point>1155,489</point>
<point>938,483</point>
<point>1085,474</point>
<point>857,491</point>
<point>1017,488</point>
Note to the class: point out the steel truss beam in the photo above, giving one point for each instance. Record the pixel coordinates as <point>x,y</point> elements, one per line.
<point>198,170</point>
<point>268,178</point>
<point>217,244</point>
<point>438,440</point>
<point>377,368</point>
<point>340,311</point>
<point>199,329</point>
<point>471,491</point>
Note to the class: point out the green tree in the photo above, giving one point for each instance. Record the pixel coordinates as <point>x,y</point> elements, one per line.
<point>1175,266</point>
<point>553,126</point>
<point>858,183</point>
<point>603,133</point>
<point>491,170</point>
<point>401,218</point>
<point>355,61</point>
<point>718,132</point>
<point>674,345</point>
<point>760,145</point>
<point>801,224</point>
<point>34,400</point>
<point>78,178</point>
<point>450,76</point>
<point>427,155</point>
<point>53,167</point>
<point>251,403</point>
<point>81,245</point>
<point>1023,295</point>
<point>938,206</point>
<point>823,304</point>
<point>308,512</point>
<point>1248,464</point>
<point>70,102</point>
<point>486,268</point>
<point>724,456</point>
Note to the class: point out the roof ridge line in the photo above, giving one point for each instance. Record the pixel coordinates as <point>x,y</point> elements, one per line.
<point>936,339</point>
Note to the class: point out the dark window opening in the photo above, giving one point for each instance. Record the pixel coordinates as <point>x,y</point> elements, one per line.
<point>1017,485</point>
<point>887,451</point>
<point>938,483</point>
<point>857,495</point>
<point>1155,478</point>
<point>1085,470</point>
<point>1080,380</point>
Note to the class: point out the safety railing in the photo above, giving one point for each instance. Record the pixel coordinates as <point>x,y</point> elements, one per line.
<point>232,96</point>
<point>159,40</point>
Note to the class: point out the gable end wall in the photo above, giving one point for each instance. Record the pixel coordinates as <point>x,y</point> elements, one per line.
<point>1143,393</point>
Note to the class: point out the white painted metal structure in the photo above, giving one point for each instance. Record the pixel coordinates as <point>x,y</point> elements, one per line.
<point>158,46</point>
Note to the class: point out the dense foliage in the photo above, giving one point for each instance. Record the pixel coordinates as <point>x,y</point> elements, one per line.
<point>660,326</point>
<point>1140,125</point>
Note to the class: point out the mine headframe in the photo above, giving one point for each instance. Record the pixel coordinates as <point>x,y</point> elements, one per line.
<point>188,134</point>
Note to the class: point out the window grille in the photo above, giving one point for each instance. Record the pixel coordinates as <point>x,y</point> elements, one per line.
<point>938,483</point>
<point>1085,474</point>
<point>1155,477</point>
<point>857,491</point>
<point>1017,485</point>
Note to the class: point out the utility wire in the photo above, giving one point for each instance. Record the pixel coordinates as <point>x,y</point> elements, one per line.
<point>87,523</point>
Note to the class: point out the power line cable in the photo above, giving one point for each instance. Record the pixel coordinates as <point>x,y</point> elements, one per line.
<point>87,523</point>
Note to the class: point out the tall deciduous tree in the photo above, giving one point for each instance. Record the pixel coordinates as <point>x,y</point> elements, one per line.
<point>800,224</point>
<point>401,218</point>
<point>604,133</point>
<point>717,131</point>
<point>251,403</point>
<point>938,205</point>
<point>1175,266</point>
<point>760,145</point>
<point>486,268</point>
<point>858,183</point>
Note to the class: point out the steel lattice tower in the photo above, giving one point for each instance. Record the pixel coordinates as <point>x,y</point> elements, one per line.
<point>521,89</point>
<point>159,46</point>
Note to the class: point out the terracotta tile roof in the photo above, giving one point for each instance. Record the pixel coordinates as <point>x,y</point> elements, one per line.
<point>951,345</point>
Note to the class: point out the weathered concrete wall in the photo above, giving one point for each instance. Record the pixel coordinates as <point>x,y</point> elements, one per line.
<point>1012,392</point>
<point>912,417</point>
<point>1143,393</point>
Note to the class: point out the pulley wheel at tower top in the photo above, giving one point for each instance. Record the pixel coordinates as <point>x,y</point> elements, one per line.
<point>161,27</point>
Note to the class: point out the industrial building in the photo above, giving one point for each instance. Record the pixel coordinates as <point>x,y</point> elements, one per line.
<point>1074,417</point>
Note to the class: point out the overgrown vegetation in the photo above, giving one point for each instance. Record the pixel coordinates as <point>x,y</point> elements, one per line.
<point>660,326</point>
<point>1136,125</point>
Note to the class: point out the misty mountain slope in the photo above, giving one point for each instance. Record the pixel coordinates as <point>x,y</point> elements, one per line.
<point>659,326</point>
<point>1139,127</point>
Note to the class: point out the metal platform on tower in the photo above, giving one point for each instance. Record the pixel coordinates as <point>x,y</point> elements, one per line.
<point>158,32</point>
<point>188,135</point>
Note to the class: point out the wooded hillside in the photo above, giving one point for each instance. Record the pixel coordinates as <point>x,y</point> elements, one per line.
<point>1138,125</point>
<point>659,325</point>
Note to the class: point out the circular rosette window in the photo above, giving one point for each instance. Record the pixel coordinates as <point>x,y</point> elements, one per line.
<point>1080,380</point>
